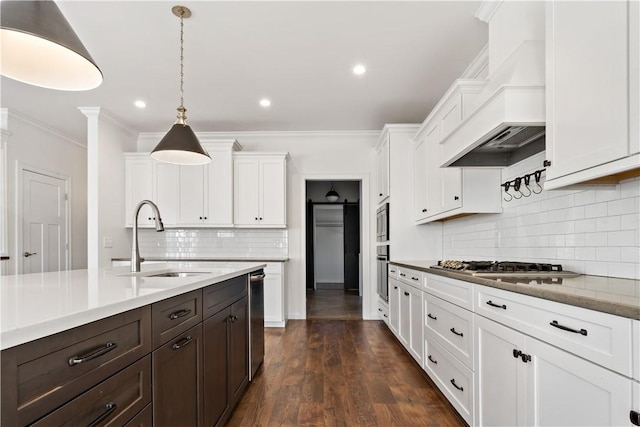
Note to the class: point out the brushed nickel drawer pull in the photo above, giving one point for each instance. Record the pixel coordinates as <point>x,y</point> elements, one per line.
<point>555,324</point>
<point>76,360</point>
<point>109,408</point>
<point>184,341</point>
<point>180,313</point>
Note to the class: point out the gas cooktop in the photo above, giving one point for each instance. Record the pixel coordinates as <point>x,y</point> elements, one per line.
<point>497,269</point>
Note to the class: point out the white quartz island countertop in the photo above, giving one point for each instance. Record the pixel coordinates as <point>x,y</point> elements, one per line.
<point>37,305</point>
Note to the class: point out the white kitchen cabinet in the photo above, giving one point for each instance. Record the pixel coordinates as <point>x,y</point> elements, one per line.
<point>187,196</point>
<point>451,191</point>
<point>394,306</point>
<point>420,183</point>
<point>274,296</point>
<point>500,377</point>
<point>592,92</point>
<point>410,305</point>
<point>523,381</point>
<point>138,186</point>
<point>260,189</point>
<point>205,195</point>
<point>382,167</point>
<point>455,380</point>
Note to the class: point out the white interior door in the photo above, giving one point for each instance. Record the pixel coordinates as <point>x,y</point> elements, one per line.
<point>44,223</point>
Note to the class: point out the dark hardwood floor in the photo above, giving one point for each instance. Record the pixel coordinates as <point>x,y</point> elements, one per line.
<point>339,373</point>
<point>333,304</point>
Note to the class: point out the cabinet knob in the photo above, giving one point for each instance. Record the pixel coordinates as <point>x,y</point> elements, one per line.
<point>256,218</point>
<point>456,198</point>
<point>260,218</point>
<point>380,194</point>
<point>634,416</point>
<point>424,210</point>
<point>546,163</point>
<point>205,217</point>
<point>200,217</point>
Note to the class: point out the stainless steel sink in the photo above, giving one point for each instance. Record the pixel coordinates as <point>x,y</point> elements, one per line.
<point>180,274</point>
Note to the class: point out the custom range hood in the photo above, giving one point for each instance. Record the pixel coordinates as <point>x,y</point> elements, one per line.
<point>509,123</point>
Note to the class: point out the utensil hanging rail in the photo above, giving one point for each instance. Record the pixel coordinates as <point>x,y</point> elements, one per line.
<point>517,184</point>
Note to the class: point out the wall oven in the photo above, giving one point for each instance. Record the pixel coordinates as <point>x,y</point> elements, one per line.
<point>382,223</point>
<point>382,263</point>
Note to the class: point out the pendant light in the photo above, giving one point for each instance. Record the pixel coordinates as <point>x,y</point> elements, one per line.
<point>180,145</point>
<point>332,195</point>
<point>40,48</point>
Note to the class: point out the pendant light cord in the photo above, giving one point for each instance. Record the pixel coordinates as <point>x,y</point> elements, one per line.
<point>182,60</point>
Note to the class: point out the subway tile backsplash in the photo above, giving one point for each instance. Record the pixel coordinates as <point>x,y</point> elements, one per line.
<point>203,243</point>
<point>595,230</point>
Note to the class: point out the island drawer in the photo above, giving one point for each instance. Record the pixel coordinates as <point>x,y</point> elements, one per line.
<point>112,402</point>
<point>602,338</point>
<point>42,375</point>
<point>221,295</point>
<point>173,316</point>
<point>143,419</point>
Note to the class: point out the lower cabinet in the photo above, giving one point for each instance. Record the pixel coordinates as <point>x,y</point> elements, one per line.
<point>405,316</point>
<point>177,380</point>
<point>394,306</point>
<point>524,381</point>
<point>226,372</point>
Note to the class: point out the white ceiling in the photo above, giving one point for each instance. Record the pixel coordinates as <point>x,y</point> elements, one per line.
<point>299,54</point>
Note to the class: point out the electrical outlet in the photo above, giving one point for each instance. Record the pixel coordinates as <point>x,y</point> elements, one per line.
<point>108,242</point>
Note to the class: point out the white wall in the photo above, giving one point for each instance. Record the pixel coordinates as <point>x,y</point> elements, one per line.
<point>107,142</point>
<point>590,230</point>
<point>313,155</point>
<point>32,144</point>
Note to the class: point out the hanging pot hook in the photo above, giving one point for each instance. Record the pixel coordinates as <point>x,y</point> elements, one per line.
<point>538,175</point>
<point>506,186</point>
<point>516,187</point>
<point>527,179</point>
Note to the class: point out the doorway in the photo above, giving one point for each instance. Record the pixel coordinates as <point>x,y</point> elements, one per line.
<point>43,229</point>
<point>333,255</point>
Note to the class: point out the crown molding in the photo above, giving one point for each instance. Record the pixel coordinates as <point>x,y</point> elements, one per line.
<point>487,9</point>
<point>44,127</point>
<point>102,114</point>
<point>213,136</point>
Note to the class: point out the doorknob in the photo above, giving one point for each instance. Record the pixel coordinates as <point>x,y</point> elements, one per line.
<point>28,254</point>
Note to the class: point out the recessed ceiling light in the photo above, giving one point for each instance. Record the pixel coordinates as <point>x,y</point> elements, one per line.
<point>140,104</point>
<point>265,102</point>
<point>359,69</point>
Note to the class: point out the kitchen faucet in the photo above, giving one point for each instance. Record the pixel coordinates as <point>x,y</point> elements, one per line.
<point>135,251</point>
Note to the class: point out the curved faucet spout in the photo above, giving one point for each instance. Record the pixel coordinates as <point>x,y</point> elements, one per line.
<point>135,251</point>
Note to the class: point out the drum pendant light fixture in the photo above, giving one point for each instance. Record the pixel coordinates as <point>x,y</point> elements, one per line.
<point>40,48</point>
<point>180,145</point>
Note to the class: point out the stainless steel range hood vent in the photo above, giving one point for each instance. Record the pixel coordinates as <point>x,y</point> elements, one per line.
<point>509,146</point>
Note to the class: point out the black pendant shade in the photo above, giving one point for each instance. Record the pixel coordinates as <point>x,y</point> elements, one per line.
<point>332,195</point>
<point>40,48</point>
<point>181,146</point>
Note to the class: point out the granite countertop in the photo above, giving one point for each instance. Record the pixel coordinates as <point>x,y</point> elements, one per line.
<point>606,294</point>
<point>210,259</point>
<point>42,304</point>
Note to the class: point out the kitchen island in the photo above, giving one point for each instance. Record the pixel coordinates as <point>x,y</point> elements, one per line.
<point>91,345</point>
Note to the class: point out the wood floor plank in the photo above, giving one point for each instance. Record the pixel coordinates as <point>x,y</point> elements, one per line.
<point>340,373</point>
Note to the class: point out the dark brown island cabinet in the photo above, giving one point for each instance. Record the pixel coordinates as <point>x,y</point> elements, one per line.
<point>182,361</point>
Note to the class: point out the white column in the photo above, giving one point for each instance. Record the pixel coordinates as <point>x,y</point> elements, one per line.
<point>93,186</point>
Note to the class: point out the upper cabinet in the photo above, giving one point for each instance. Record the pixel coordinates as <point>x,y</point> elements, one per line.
<point>260,190</point>
<point>187,196</point>
<point>593,90</point>
<point>441,193</point>
<point>382,167</point>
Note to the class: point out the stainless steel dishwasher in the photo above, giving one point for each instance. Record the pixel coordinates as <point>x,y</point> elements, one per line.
<point>256,321</point>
